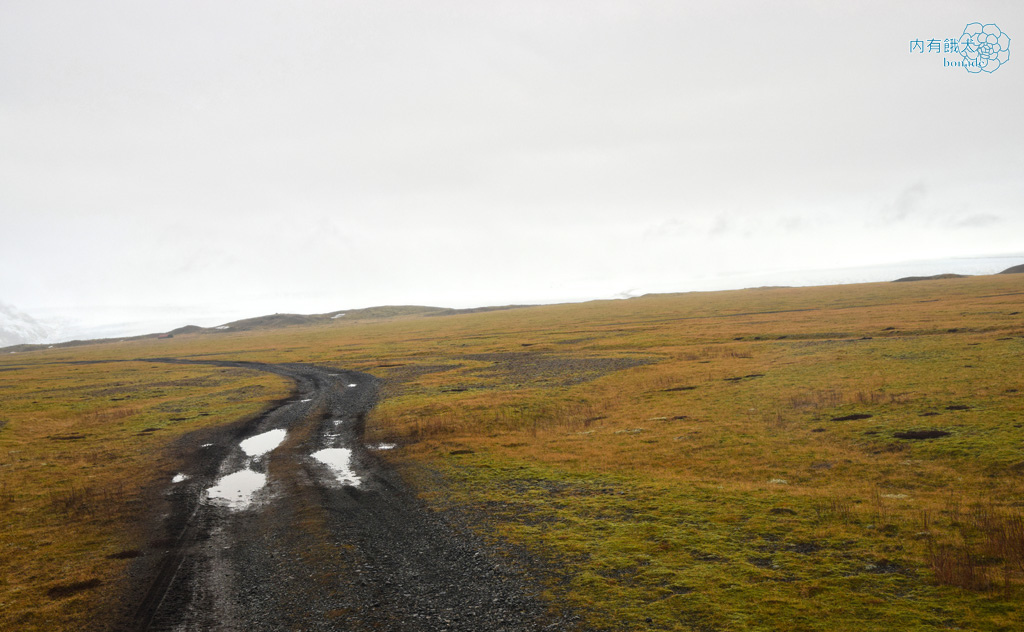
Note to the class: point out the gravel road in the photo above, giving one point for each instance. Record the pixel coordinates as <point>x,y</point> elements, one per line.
<point>290,522</point>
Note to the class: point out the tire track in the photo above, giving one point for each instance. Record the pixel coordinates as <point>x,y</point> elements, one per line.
<point>318,551</point>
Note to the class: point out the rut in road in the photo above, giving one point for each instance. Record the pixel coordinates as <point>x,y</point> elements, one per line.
<point>331,539</point>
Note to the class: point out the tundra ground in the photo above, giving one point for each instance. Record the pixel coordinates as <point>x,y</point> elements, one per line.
<point>828,458</point>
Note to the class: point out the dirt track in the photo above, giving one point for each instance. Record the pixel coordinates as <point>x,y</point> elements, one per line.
<point>312,552</point>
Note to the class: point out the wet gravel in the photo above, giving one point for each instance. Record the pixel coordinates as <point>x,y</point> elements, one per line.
<point>312,553</point>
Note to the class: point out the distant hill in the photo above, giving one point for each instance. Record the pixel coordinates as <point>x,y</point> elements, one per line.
<point>276,321</point>
<point>187,329</point>
<point>1014,270</point>
<point>272,321</point>
<point>934,277</point>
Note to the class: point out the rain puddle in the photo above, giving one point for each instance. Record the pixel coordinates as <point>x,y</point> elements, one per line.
<point>179,478</point>
<point>303,401</point>
<point>337,316</point>
<point>383,446</point>
<point>263,443</point>
<point>338,422</point>
<point>236,490</point>
<point>352,385</point>
<point>339,460</point>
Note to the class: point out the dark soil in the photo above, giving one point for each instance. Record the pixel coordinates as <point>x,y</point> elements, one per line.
<point>744,377</point>
<point>125,555</point>
<point>536,367</point>
<point>853,417</point>
<point>66,590</point>
<point>921,434</point>
<point>313,554</point>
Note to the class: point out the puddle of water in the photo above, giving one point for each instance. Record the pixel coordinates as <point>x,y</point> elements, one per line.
<point>206,445</point>
<point>352,385</point>
<point>336,316</point>
<point>223,327</point>
<point>263,443</point>
<point>383,446</point>
<point>236,490</point>
<point>179,478</point>
<point>303,401</point>
<point>340,462</point>
<point>338,422</point>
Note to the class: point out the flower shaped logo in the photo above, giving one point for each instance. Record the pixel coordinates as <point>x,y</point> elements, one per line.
<point>984,47</point>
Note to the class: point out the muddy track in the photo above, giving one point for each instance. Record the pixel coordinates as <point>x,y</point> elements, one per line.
<point>332,542</point>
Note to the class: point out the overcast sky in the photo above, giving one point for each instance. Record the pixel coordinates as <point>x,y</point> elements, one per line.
<point>163,163</point>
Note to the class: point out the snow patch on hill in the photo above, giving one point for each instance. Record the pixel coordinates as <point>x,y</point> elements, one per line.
<point>17,328</point>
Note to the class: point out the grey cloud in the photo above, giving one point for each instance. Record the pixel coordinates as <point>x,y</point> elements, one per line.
<point>722,225</point>
<point>908,203</point>
<point>793,223</point>
<point>672,227</point>
<point>979,220</point>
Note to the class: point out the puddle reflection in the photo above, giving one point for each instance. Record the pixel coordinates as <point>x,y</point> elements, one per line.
<point>339,460</point>
<point>236,490</point>
<point>263,443</point>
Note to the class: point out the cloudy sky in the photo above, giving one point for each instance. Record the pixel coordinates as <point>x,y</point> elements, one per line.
<point>164,163</point>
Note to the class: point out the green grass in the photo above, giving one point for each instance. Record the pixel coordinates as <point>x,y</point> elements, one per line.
<point>679,458</point>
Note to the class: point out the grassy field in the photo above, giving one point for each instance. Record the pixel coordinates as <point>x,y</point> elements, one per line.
<point>833,458</point>
<point>85,452</point>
